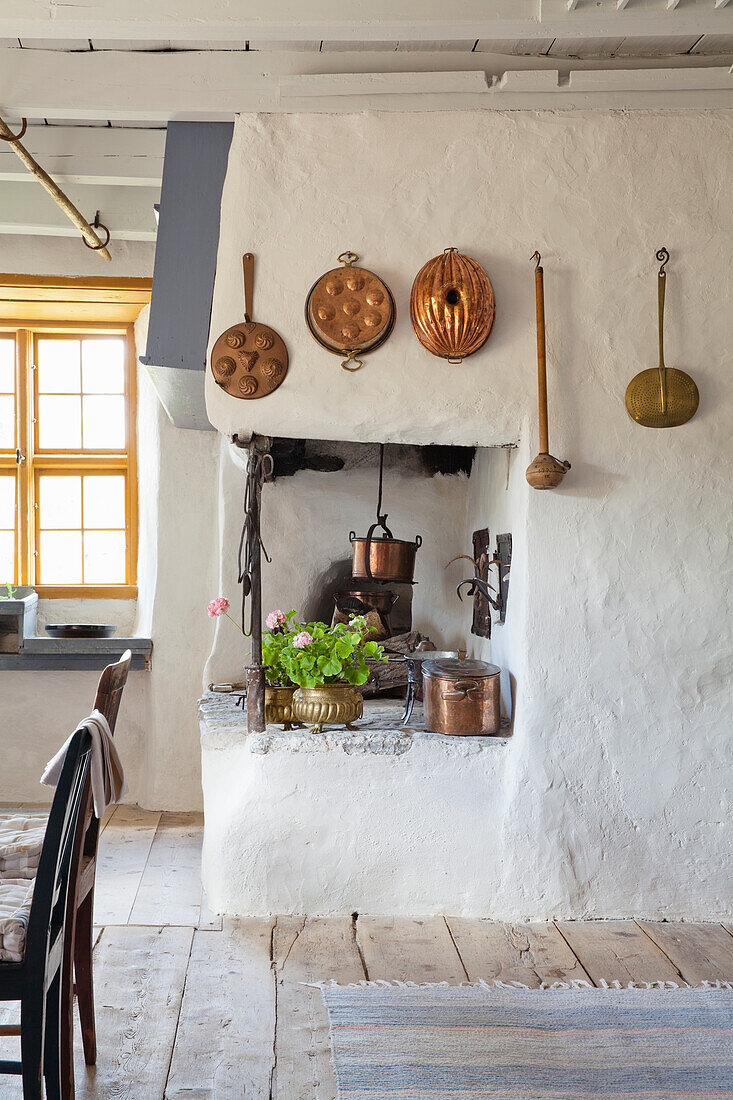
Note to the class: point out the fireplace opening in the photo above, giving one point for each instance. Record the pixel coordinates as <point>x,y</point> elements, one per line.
<point>290,456</point>
<point>323,497</point>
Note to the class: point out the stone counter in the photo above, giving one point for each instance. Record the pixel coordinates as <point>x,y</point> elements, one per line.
<point>380,819</point>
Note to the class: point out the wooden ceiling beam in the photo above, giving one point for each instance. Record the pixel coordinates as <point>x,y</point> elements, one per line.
<point>90,155</point>
<point>150,21</point>
<point>215,87</point>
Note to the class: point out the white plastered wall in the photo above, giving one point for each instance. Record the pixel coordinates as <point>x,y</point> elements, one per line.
<point>619,633</point>
<point>157,731</point>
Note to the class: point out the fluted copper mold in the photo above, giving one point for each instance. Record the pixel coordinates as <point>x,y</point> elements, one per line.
<point>452,306</point>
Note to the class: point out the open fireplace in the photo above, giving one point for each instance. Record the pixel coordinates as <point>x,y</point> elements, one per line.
<point>348,504</point>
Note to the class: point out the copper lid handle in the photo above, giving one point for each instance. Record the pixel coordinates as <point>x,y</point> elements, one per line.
<point>248,264</point>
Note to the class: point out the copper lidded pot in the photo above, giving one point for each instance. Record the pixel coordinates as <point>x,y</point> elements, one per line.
<point>461,698</point>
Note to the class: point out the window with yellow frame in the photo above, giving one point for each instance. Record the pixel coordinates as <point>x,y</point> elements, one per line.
<point>68,477</point>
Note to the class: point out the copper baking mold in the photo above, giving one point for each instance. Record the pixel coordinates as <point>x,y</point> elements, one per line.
<point>350,311</point>
<point>250,359</point>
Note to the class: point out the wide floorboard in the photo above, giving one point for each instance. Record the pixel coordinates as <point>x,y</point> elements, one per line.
<point>193,1007</point>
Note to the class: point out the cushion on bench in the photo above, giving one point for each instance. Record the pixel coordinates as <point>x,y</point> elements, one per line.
<point>15,909</point>
<point>21,840</point>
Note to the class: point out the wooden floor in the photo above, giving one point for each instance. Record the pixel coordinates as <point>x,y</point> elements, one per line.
<point>190,1007</point>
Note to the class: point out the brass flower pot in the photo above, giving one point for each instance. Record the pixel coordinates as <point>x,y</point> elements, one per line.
<point>330,704</point>
<point>279,706</point>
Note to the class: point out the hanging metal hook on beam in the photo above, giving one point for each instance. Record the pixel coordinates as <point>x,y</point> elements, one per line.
<point>89,234</point>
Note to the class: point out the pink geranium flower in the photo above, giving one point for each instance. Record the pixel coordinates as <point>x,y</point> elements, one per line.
<point>275,619</point>
<point>218,607</point>
<point>302,640</point>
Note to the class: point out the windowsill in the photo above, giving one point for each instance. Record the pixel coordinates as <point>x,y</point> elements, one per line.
<point>100,592</point>
<point>75,654</point>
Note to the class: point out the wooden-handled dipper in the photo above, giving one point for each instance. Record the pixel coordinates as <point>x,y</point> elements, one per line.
<point>545,472</point>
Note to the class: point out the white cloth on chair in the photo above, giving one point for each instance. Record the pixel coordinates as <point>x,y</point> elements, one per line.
<point>108,777</point>
<point>21,840</point>
<point>16,896</point>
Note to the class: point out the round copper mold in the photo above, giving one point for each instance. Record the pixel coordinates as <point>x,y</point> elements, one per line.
<point>350,309</point>
<point>250,359</point>
<point>452,306</point>
<point>249,372</point>
<point>264,341</point>
<point>272,368</point>
<point>224,367</point>
<point>248,386</point>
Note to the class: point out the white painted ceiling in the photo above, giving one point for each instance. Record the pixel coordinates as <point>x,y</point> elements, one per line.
<point>100,89</point>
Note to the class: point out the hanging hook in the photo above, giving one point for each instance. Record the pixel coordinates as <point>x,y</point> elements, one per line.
<point>97,224</point>
<point>537,259</point>
<point>663,257</point>
<point>15,137</point>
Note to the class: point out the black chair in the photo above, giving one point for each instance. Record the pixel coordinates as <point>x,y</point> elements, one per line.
<point>42,982</point>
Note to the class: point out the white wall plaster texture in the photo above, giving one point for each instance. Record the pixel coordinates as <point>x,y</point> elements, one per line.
<point>611,799</point>
<point>157,732</point>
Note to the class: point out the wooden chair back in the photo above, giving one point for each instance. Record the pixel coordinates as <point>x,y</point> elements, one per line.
<point>109,689</point>
<point>59,863</point>
<point>107,702</point>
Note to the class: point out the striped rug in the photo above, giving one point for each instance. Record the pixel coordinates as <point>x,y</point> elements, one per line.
<point>511,1043</point>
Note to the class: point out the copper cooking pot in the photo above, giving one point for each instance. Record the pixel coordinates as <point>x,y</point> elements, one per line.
<point>384,558</point>
<point>353,600</point>
<point>461,698</point>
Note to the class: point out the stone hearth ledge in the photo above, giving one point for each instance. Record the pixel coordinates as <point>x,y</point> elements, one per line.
<point>224,724</point>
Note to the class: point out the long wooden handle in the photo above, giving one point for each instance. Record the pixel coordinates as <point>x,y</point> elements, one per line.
<point>54,191</point>
<point>662,283</point>
<point>248,264</point>
<point>539,286</point>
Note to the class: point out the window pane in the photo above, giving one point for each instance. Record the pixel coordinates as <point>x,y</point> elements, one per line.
<point>7,557</point>
<point>59,423</point>
<point>60,501</point>
<point>58,366</point>
<point>104,500</point>
<point>103,365</point>
<point>104,557</point>
<point>7,423</point>
<point>60,557</point>
<point>104,423</point>
<point>7,502</point>
<point>7,365</point>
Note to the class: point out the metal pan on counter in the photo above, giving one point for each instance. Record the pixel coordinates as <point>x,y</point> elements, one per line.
<point>80,630</point>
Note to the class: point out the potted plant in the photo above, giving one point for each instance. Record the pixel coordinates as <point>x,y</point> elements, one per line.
<point>18,610</point>
<point>278,688</point>
<point>328,663</point>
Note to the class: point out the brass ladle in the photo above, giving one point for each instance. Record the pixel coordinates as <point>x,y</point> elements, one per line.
<point>662,397</point>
